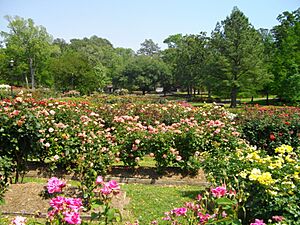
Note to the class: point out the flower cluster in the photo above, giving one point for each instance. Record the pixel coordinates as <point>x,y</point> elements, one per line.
<point>66,208</point>
<point>110,187</point>
<point>214,206</point>
<point>19,220</point>
<point>55,185</point>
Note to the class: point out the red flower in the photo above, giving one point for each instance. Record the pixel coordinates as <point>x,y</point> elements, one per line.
<point>272,137</point>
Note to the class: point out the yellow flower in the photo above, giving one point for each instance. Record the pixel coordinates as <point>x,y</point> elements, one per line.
<point>265,179</point>
<point>243,174</point>
<point>272,192</point>
<point>276,164</point>
<point>255,173</point>
<point>289,159</point>
<point>253,157</point>
<point>283,149</point>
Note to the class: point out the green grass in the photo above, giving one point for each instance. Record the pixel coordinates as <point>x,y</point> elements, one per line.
<point>146,162</point>
<point>149,202</point>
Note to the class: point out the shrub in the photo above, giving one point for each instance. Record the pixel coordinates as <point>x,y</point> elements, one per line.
<point>270,127</point>
<point>270,182</point>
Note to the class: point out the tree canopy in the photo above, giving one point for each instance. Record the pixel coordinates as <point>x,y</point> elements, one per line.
<point>235,60</point>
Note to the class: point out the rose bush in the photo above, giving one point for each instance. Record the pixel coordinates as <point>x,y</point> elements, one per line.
<point>269,181</point>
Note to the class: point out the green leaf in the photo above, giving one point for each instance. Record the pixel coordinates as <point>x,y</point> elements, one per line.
<point>224,201</point>
<point>94,216</point>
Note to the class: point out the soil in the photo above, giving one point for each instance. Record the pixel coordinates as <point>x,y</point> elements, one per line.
<point>26,198</point>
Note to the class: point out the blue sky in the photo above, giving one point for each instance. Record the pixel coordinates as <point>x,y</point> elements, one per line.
<point>127,23</point>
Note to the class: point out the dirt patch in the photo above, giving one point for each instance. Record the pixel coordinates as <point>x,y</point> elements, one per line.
<point>26,199</point>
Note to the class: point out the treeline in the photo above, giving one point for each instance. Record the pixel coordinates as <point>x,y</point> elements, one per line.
<point>236,60</point>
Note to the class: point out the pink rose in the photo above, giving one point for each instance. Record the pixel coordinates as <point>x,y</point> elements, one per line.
<point>258,222</point>
<point>72,217</point>
<point>99,180</point>
<point>55,185</point>
<point>179,211</point>
<point>219,191</point>
<point>19,220</point>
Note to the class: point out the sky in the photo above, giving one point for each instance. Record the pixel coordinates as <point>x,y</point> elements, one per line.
<point>127,23</point>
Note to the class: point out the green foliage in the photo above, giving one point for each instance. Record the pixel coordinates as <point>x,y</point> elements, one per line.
<point>239,54</point>
<point>24,42</point>
<point>286,60</point>
<point>5,174</point>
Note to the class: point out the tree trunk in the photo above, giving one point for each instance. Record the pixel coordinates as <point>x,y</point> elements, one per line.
<point>233,96</point>
<point>267,101</point>
<point>209,93</point>
<point>32,73</point>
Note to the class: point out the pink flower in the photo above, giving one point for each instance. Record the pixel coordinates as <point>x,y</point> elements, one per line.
<point>179,211</point>
<point>19,220</point>
<point>178,158</point>
<point>55,185</point>
<point>258,222</point>
<point>99,180</point>
<point>219,191</point>
<point>113,185</point>
<point>203,218</point>
<point>47,145</point>
<point>137,141</point>
<point>278,218</point>
<point>72,217</point>
<point>74,203</point>
<point>224,214</point>
<point>57,203</point>
<point>106,190</point>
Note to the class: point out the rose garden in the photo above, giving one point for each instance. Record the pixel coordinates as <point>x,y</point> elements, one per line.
<point>249,157</point>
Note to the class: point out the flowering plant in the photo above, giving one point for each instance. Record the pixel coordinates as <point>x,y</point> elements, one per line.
<point>104,192</point>
<point>215,206</point>
<point>272,182</point>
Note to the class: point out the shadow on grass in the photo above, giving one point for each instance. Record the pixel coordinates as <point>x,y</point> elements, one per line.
<point>191,194</point>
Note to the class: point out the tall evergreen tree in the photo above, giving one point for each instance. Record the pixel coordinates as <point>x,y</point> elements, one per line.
<point>239,53</point>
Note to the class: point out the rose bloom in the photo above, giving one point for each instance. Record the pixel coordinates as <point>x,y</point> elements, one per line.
<point>99,180</point>
<point>258,222</point>
<point>19,220</point>
<point>55,185</point>
<point>179,211</point>
<point>219,191</point>
<point>72,217</point>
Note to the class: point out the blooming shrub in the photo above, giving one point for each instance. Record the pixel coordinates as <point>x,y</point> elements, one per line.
<point>269,181</point>
<point>66,210</point>
<point>215,206</point>
<point>270,127</point>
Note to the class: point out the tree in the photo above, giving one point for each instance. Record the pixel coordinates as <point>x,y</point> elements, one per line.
<point>29,46</point>
<point>239,54</point>
<point>72,71</point>
<point>187,55</point>
<point>286,60</point>
<point>149,48</point>
<point>144,73</point>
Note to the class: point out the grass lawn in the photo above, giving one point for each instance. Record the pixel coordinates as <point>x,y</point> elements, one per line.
<point>149,202</point>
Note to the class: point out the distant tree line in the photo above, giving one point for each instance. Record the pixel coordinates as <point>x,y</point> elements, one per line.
<point>236,60</point>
